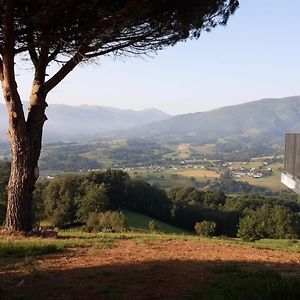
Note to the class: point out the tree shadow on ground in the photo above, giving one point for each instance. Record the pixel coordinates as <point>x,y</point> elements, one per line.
<point>168,279</point>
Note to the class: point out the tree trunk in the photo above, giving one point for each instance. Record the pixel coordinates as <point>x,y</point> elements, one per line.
<point>21,185</point>
<point>26,150</point>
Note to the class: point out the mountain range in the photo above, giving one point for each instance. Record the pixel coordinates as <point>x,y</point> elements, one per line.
<point>263,121</point>
<point>258,122</point>
<point>73,123</point>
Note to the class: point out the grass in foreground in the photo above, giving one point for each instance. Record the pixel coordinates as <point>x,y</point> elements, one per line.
<point>288,245</point>
<point>232,283</point>
<point>23,247</point>
<point>283,245</point>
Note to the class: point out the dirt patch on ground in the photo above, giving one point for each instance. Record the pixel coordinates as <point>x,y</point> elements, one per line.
<point>132,269</point>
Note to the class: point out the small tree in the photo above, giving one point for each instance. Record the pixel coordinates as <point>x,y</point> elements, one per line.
<point>206,228</point>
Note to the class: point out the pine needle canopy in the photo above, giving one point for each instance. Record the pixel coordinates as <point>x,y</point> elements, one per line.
<point>98,27</point>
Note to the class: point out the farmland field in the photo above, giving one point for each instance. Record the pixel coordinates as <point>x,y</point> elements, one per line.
<point>199,174</point>
<point>170,178</point>
<point>271,182</point>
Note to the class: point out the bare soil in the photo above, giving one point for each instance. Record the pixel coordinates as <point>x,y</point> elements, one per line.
<point>135,270</point>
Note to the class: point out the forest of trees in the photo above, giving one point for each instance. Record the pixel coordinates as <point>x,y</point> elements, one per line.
<point>70,199</point>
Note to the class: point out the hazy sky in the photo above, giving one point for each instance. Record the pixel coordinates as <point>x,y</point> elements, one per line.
<point>257,55</point>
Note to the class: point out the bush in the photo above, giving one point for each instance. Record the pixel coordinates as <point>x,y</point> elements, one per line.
<point>112,221</point>
<point>206,228</point>
<point>153,226</point>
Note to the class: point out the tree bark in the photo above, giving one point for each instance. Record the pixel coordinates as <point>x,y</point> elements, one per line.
<point>20,187</point>
<point>26,150</point>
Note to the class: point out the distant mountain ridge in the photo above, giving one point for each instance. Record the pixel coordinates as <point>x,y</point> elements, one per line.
<point>73,123</point>
<point>258,122</point>
<point>263,121</point>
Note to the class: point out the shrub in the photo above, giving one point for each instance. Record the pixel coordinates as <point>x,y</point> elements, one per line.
<point>108,221</point>
<point>206,228</point>
<point>153,226</point>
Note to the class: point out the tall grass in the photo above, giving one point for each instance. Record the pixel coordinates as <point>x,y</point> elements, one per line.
<point>34,246</point>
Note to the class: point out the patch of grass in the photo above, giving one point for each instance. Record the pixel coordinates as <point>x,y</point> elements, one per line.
<point>280,244</point>
<point>100,244</point>
<point>11,247</point>
<point>23,249</point>
<point>139,237</point>
<point>206,149</point>
<point>232,283</point>
<point>199,174</point>
<point>140,221</point>
<point>288,245</point>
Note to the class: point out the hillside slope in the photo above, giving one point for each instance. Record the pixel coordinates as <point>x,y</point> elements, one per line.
<point>263,121</point>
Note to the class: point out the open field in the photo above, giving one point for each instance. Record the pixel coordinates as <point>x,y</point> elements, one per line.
<point>271,182</point>
<point>199,174</point>
<point>171,178</point>
<point>182,176</point>
<point>247,165</point>
<point>263,158</point>
<point>206,149</point>
<point>183,151</point>
<point>150,266</point>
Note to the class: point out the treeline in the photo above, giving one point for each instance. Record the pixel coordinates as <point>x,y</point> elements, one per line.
<point>250,217</point>
<point>70,200</point>
<point>137,151</point>
<point>68,163</point>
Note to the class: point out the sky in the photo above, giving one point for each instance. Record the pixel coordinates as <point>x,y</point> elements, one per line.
<point>257,55</point>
